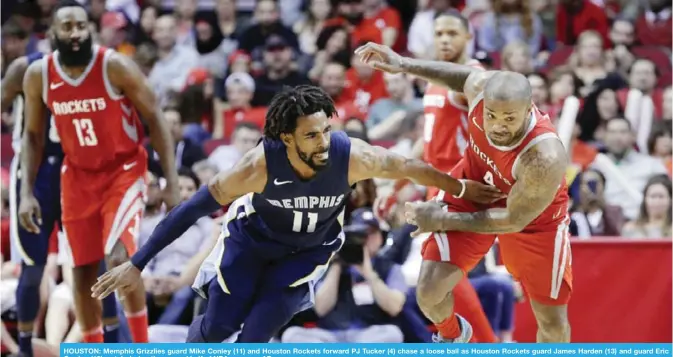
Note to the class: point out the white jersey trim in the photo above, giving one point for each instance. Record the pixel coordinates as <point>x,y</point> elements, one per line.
<point>111,92</point>
<point>45,77</point>
<point>534,141</point>
<point>79,80</point>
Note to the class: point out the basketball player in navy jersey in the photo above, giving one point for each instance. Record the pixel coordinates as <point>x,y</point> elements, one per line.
<point>32,248</point>
<point>284,224</point>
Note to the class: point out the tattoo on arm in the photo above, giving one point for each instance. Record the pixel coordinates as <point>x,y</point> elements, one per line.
<point>540,172</point>
<point>446,74</point>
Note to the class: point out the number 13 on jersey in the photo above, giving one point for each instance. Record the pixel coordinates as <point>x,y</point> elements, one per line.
<point>85,132</point>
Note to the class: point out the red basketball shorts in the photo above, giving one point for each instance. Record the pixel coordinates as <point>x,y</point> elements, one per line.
<point>540,260</point>
<point>101,209</point>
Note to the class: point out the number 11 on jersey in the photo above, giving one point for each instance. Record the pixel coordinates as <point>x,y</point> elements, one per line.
<point>299,218</point>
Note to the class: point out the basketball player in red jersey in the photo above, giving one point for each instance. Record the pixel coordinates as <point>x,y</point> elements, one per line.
<point>513,146</point>
<point>92,92</point>
<point>445,132</point>
<point>444,142</point>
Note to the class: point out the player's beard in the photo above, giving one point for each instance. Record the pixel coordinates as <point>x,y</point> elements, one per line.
<point>308,159</point>
<point>71,58</point>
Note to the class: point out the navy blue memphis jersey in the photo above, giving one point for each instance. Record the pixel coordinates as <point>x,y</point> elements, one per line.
<point>303,213</point>
<point>52,143</point>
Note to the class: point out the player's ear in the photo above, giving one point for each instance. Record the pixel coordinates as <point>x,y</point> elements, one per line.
<point>287,139</point>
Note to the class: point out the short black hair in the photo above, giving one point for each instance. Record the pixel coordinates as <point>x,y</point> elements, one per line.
<point>187,172</point>
<point>11,28</point>
<point>455,14</point>
<point>68,3</point>
<point>290,104</point>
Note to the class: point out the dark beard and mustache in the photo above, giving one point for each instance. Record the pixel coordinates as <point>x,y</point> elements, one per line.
<point>70,58</point>
<point>308,160</point>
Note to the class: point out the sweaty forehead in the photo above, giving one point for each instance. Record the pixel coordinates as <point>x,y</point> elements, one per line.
<point>71,14</point>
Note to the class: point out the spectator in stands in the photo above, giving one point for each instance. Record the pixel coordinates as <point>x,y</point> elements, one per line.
<point>562,84</point>
<point>393,109</point>
<point>333,82</point>
<point>659,144</point>
<point>240,88</point>
<point>186,152</point>
<point>517,57</point>
<point>279,70</point>
<point>591,216</point>
<point>510,21</point>
<point>146,56</point>
<point>167,301</point>
<point>366,84</point>
<point>420,40</point>
<point>208,40</point>
<point>14,42</point>
<point>380,23</point>
<point>145,27</point>
<point>356,128</point>
<point>239,61</point>
<point>600,106</point>
<point>231,26</point>
<point>622,36</point>
<point>333,46</point>
<point>309,28</point>
<point>653,27</point>
<point>245,137</point>
<point>540,91</point>
<point>643,76</point>
<point>654,218</point>
<point>576,16</point>
<point>266,23</point>
<point>113,33</point>
<point>185,12</point>
<point>357,301</point>
<point>589,62</point>
<point>634,167</point>
<point>175,61</point>
<point>196,106</point>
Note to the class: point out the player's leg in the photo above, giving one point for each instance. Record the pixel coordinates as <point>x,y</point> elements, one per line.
<point>122,208</point>
<point>229,278</point>
<point>468,305</point>
<point>287,288</point>
<point>446,258</point>
<point>31,251</point>
<point>110,318</point>
<point>542,263</point>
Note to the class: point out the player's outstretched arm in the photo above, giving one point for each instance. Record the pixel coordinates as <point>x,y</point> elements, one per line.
<point>468,80</point>
<point>248,175</point>
<point>369,161</point>
<point>539,174</point>
<point>125,75</point>
<point>32,144</point>
<point>12,83</point>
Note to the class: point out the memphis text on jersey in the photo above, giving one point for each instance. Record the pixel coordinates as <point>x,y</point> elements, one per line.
<point>308,202</point>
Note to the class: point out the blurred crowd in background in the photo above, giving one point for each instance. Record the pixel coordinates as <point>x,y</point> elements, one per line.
<point>601,69</point>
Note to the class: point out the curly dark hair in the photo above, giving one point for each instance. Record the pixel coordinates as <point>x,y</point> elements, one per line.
<point>290,104</point>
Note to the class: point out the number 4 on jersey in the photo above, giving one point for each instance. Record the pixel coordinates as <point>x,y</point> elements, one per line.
<point>488,178</point>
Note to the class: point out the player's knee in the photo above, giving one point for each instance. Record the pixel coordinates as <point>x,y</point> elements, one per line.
<point>214,330</point>
<point>552,320</point>
<point>435,281</point>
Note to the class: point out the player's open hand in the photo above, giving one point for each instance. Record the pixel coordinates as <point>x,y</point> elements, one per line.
<point>30,215</point>
<point>481,193</point>
<point>380,57</point>
<point>427,216</point>
<point>124,278</point>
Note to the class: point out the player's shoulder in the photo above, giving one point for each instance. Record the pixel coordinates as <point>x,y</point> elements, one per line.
<point>254,160</point>
<point>33,70</point>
